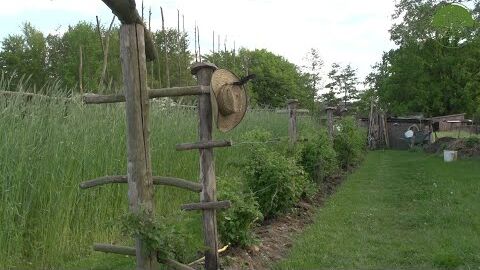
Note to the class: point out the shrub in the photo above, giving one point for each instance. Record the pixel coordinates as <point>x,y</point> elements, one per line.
<point>472,141</point>
<point>236,223</point>
<point>349,142</point>
<point>276,180</point>
<point>317,156</point>
<point>163,236</point>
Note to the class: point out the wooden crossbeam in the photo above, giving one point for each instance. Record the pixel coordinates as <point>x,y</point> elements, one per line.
<point>203,145</point>
<point>206,205</point>
<point>152,93</point>
<point>127,13</point>
<point>130,251</point>
<point>157,180</point>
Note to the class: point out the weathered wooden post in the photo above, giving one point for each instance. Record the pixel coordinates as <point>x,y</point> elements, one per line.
<point>329,111</point>
<point>204,72</point>
<point>140,184</point>
<point>292,123</point>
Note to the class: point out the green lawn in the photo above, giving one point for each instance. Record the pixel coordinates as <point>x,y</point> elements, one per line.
<point>456,134</point>
<point>400,210</point>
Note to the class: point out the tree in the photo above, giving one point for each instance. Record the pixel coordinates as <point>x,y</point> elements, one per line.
<point>314,67</point>
<point>432,71</point>
<point>277,80</point>
<point>343,82</point>
<point>329,99</point>
<point>25,55</point>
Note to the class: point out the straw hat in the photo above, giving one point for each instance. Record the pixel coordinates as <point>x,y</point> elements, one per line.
<point>229,99</point>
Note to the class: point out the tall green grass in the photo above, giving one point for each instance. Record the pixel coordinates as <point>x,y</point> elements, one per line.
<point>47,147</point>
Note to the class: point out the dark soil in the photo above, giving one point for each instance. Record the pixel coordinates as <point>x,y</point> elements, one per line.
<point>277,236</point>
<point>469,147</point>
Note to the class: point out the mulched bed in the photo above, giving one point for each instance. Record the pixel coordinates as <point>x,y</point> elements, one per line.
<point>276,236</point>
<point>465,147</point>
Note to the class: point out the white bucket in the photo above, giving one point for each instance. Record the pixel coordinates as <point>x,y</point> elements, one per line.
<point>449,156</point>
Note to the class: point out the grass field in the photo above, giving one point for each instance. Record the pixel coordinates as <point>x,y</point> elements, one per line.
<point>399,210</point>
<point>456,134</point>
<point>47,149</point>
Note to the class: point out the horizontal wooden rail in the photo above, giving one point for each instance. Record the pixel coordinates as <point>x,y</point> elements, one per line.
<point>206,205</point>
<point>152,93</point>
<point>130,251</point>
<point>203,145</point>
<point>179,91</point>
<point>157,180</point>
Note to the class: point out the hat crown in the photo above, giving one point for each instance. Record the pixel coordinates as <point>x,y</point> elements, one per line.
<point>229,99</point>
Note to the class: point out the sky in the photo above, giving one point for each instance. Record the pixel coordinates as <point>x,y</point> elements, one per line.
<point>344,31</point>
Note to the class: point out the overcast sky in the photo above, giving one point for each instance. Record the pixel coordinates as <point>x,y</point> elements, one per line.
<point>345,31</point>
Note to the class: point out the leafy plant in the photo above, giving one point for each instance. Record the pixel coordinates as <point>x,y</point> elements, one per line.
<point>164,237</point>
<point>276,180</point>
<point>349,142</point>
<point>317,156</point>
<point>236,223</point>
<point>472,141</point>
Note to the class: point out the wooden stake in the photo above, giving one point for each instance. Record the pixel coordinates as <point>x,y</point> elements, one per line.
<point>179,56</point>
<point>195,36</point>
<point>204,71</point>
<point>150,30</point>
<point>140,184</point>
<point>199,52</point>
<point>165,44</point>
<point>105,49</point>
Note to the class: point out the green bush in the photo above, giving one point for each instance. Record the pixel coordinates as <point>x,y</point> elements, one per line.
<point>276,180</point>
<point>349,142</point>
<point>163,236</point>
<point>236,223</point>
<point>317,156</point>
<point>472,141</point>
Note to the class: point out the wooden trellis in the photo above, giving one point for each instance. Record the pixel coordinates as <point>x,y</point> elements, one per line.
<point>134,54</point>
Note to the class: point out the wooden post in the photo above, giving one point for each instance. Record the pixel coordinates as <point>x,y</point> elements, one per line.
<point>292,123</point>
<point>329,111</point>
<point>140,184</point>
<point>204,72</point>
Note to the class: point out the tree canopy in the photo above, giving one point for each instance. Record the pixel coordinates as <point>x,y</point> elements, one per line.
<point>56,57</point>
<point>434,70</point>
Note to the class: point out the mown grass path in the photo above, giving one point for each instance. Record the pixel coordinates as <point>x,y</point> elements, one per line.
<point>399,210</point>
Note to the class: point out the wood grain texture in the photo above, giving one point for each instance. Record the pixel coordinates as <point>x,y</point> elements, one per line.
<point>206,205</point>
<point>204,72</point>
<point>127,13</point>
<point>157,180</point>
<point>152,93</point>
<point>203,145</point>
<point>292,121</point>
<point>140,183</point>
<point>130,251</point>
<point>330,111</point>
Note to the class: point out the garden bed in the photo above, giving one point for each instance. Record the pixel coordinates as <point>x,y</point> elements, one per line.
<point>276,236</point>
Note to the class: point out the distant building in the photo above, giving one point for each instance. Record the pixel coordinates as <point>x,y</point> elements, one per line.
<point>397,126</point>
<point>448,122</point>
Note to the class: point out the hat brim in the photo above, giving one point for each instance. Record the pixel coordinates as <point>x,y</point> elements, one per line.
<point>220,78</point>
